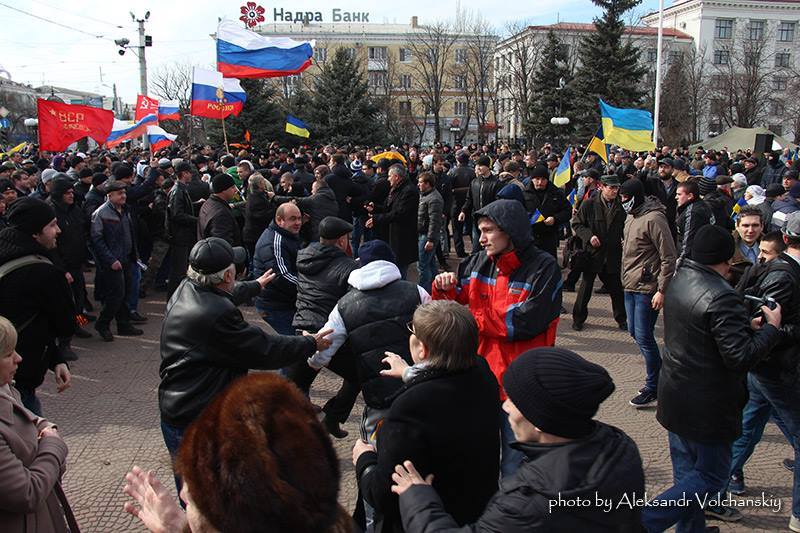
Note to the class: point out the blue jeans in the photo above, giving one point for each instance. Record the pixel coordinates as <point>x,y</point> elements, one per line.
<point>698,471</point>
<point>510,459</point>
<point>132,298</point>
<point>279,319</point>
<point>426,266</point>
<point>358,232</point>
<point>172,439</point>
<point>641,325</point>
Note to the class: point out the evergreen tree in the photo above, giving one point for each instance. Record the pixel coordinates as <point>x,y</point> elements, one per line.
<point>342,110</point>
<point>261,116</point>
<point>552,94</point>
<point>610,67</point>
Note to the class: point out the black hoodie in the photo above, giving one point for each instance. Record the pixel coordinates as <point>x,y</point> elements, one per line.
<point>322,273</point>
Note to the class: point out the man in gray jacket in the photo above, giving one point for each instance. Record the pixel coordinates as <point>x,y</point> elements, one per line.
<point>429,228</point>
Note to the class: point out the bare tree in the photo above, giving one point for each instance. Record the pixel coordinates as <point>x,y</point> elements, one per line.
<point>431,47</point>
<point>173,81</point>
<point>479,65</point>
<point>695,68</point>
<point>517,65</point>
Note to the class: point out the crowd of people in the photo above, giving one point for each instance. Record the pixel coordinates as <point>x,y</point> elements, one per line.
<point>321,240</point>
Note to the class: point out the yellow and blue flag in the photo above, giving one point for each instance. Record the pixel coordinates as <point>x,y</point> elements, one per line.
<point>627,128</point>
<point>295,126</point>
<point>738,207</point>
<point>563,170</point>
<point>536,217</point>
<point>598,145</point>
<point>572,196</point>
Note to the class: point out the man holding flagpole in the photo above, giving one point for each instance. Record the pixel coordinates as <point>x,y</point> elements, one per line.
<point>542,196</point>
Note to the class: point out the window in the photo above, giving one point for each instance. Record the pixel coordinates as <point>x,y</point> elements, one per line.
<point>779,83</point>
<point>320,54</point>
<point>782,59</point>
<point>675,56</point>
<point>786,32</point>
<point>461,55</point>
<point>350,53</point>
<point>652,55</point>
<point>777,108</point>
<point>377,79</point>
<point>405,81</point>
<point>405,55</point>
<point>377,52</point>
<point>405,107</point>
<point>460,108</point>
<point>460,81</point>
<point>777,129</point>
<point>756,29</point>
<point>721,57</point>
<point>723,28</point>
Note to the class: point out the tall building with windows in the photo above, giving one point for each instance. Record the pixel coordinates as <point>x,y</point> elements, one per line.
<point>404,82</point>
<point>744,46</point>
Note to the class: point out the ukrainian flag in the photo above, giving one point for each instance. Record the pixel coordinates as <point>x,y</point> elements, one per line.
<point>572,196</point>
<point>627,128</point>
<point>564,169</point>
<point>537,217</point>
<point>598,145</point>
<point>738,207</point>
<point>295,126</point>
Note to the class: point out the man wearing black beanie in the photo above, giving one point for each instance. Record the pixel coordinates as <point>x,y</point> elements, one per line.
<point>216,218</point>
<point>553,394</point>
<point>709,348</point>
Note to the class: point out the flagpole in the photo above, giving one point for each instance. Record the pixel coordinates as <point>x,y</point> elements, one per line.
<point>658,71</point>
<point>225,136</point>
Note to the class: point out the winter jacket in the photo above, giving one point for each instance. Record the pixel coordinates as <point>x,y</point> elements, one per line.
<point>276,249</point>
<point>112,236</point>
<point>71,244</point>
<point>463,429</point>
<point>317,206</point>
<point>372,320</point>
<point>604,466</point>
<point>94,199</point>
<point>648,250</point>
<point>462,177</point>
<point>781,209</point>
<point>515,298</point>
<point>343,187</point>
<point>37,295</point>
<point>444,184</point>
<point>754,175</point>
<point>31,466</point>
<point>709,347</point>
<point>721,206</point>
<point>550,202</point>
<point>180,223</point>
<point>691,217</point>
<point>595,218</point>
<point>216,220</point>
<point>710,171</point>
<point>206,344</point>
<point>398,219</point>
<point>258,214</point>
<point>773,173</point>
<point>322,273</point>
<point>482,192</point>
<point>429,215</point>
<point>304,178</point>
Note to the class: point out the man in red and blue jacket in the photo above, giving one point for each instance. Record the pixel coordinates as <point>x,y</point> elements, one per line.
<point>513,290</point>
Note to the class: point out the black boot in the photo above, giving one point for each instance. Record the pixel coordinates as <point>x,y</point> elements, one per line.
<point>333,428</point>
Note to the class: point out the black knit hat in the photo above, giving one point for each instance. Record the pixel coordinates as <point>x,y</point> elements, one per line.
<point>222,182</point>
<point>712,245</point>
<point>60,187</point>
<point>484,160</point>
<point>557,390</point>
<point>29,215</point>
<point>540,171</point>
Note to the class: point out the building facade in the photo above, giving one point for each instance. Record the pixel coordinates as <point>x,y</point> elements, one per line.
<point>408,67</point>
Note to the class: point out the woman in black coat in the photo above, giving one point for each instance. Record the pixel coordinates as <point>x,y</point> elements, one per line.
<point>258,213</point>
<point>444,419</point>
<point>397,219</point>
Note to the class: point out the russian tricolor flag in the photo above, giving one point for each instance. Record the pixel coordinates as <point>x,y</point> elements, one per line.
<point>214,96</point>
<point>169,110</point>
<point>242,53</point>
<point>159,138</point>
<point>124,130</point>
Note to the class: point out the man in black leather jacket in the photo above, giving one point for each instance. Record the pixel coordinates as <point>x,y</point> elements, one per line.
<point>206,343</point>
<point>701,392</point>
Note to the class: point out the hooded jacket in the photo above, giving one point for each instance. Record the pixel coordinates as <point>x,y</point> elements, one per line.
<point>72,241</point>
<point>322,273</point>
<point>604,466</point>
<point>648,250</point>
<point>691,217</point>
<point>516,297</point>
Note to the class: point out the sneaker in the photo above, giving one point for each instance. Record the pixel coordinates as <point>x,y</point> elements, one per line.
<point>644,399</point>
<point>736,484</point>
<point>577,326</point>
<point>726,514</point>
<point>788,464</point>
<point>794,524</point>
<point>104,333</point>
<point>136,318</point>
<point>127,329</point>
<point>333,428</point>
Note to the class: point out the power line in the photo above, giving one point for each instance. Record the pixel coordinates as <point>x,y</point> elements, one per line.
<point>56,23</point>
<point>82,16</point>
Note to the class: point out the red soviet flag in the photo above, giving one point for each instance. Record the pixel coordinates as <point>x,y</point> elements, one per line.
<point>62,124</point>
<point>145,106</point>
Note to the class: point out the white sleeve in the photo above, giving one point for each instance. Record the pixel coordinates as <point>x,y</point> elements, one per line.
<point>339,335</point>
<point>424,297</point>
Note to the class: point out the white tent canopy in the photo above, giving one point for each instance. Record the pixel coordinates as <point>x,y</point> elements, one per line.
<point>742,139</point>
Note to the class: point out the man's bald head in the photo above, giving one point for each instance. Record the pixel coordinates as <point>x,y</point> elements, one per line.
<point>288,217</point>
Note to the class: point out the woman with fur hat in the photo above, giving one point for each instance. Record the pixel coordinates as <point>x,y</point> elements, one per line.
<point>286,479</point>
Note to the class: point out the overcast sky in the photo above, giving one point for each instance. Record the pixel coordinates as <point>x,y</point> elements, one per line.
<point>39,52</point>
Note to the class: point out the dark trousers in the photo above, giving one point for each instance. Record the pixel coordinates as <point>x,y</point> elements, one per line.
<point>178,263</point>
<point>337,408</point>
<point>612,282</point>
<point>458,234</point>
<point>78,287</point>
<point>157,256</point>
<point>572,278</point>
<point>117,284</point>
<point>172,439</point>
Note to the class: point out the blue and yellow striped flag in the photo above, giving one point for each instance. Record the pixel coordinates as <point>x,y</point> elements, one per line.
<point>563,170</point>
<point>627,128</point>
<point>295,126</point>
<point>598,145</point>
<point>572,196</point>
<point>738,207</point>
<point>537,217</point>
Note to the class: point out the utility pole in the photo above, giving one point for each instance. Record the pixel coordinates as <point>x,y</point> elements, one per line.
<point>143,43</point>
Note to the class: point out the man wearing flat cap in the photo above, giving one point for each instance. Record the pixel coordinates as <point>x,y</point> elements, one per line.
<point>216,216</point>
<point>553,395</point>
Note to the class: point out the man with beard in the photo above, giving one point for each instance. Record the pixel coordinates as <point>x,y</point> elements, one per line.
<point>669,186</point>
